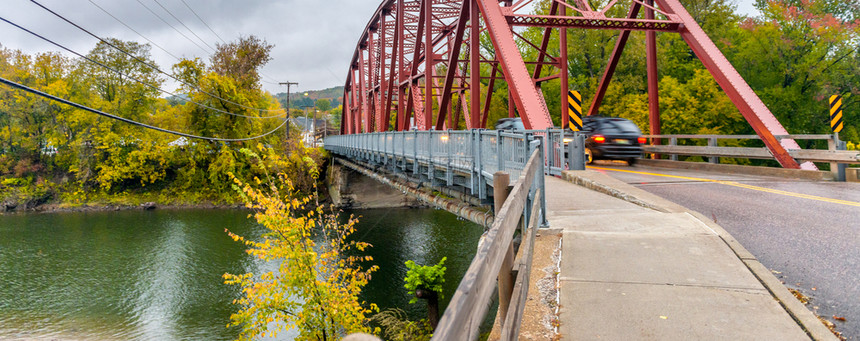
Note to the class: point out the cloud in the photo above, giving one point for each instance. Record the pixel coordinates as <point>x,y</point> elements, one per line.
<point>314,40</point>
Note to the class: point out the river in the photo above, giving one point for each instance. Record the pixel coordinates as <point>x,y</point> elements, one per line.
<point>156,275</point>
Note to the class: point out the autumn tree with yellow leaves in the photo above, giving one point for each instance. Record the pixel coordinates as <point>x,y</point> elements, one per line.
<point>316,288</point>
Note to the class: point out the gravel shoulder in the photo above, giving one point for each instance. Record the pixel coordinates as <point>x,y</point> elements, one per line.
<point>539,315</point>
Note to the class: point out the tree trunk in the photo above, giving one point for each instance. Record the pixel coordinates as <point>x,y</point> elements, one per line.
<point>432,305</point>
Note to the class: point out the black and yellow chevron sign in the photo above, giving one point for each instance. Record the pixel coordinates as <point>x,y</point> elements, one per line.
<point>836,113</point>
<point>574,110</point>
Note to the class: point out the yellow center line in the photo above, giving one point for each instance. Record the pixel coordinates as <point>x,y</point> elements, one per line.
<point>739,185</point>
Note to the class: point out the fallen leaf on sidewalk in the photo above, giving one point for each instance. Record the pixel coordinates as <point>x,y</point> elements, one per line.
<point>664,317</point>
<point>838,318</point>
<point>776,272</point>
<point>813,289</point>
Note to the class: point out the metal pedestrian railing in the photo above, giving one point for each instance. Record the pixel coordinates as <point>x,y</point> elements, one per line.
<point>455,158</point>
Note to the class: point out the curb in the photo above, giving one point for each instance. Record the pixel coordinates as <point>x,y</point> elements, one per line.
<point>798,311</point>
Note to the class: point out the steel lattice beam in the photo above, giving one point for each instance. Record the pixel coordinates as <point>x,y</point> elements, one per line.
<point>414,56</point>
<point>608,24</point>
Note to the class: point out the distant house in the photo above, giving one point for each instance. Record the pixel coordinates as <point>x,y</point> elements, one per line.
<point>311,129</point>
<point>180,142</point>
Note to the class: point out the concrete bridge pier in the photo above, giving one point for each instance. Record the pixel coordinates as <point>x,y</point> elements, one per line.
<point>350,189</point>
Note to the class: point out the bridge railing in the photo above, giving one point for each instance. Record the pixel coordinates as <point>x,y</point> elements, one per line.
<point>713,151</point>
<point>472,300</point>
<point>478,153</point>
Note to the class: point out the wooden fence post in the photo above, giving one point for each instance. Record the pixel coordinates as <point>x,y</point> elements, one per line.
<point>501,181</point>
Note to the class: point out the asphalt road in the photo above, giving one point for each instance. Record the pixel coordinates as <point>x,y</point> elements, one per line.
<point>806,232</point>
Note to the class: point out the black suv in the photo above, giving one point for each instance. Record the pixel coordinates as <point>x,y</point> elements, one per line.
<point>611,138</point>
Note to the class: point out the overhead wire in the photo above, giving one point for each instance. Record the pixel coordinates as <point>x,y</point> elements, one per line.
<point>162,48</point>
<point>145,62</point>
<point>203,21</point>
<point>128,75</point>
<point>168,24</point>
<point>132,122</point>
<point>135,31</point>
<point>183,24</point>
<point>273,80</point>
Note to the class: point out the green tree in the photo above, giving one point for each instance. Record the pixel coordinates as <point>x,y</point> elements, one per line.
<point>425,282</point>
<point>323,104</point>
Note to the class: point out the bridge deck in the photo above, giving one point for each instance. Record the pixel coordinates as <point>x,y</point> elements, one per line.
<point>660,273</point>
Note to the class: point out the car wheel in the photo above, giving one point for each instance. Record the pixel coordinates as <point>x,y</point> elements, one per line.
<point>589,158</point>
<point>631,161</point>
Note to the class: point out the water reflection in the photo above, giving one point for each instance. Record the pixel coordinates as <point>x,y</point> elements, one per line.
<point>137,275</point>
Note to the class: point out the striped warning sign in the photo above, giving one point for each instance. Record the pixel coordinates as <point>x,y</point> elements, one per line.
<point>836,113</point>
<point>574,110</point>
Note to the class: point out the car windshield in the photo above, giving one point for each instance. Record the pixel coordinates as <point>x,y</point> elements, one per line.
<point>619,126</point>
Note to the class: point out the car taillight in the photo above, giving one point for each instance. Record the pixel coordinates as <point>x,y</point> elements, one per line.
<point>599,138</point>
<point>641,140</point>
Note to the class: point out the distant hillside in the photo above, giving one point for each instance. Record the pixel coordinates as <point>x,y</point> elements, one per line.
<point>308,98</point>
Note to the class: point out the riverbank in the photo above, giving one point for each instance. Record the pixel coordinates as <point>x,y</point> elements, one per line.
<point>59,208</point>
<point>76,201</point>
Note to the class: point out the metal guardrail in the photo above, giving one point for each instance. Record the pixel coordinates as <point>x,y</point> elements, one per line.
<point>714,152</point>
<point>465,158</point>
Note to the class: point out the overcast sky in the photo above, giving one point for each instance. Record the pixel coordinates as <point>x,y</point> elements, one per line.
<point>314,39</point>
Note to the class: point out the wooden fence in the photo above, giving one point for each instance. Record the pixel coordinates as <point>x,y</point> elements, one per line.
<point>471,302</point>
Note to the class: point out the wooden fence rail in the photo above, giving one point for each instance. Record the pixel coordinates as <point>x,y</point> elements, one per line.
<point>471,302</point>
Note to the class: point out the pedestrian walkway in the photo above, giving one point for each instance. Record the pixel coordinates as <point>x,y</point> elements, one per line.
<point>637,267</point>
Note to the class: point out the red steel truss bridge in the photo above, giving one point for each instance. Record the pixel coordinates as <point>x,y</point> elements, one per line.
<point>416,58</point>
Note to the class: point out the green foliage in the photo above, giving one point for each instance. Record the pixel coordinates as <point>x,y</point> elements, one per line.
<point>423,277</point>
<point>323,104</point>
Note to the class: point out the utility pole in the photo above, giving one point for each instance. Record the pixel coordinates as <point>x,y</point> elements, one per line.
<point>287,128</point>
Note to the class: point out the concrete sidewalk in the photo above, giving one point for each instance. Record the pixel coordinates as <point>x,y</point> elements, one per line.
<point>635,266</point>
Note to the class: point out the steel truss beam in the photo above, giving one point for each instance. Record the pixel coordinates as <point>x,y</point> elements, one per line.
<point>608,24</point>
<point>414,56</point>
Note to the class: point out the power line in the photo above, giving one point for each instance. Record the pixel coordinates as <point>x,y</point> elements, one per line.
<point>271,80</point>
<point>183,24</point>
<point>132,122</point>
<point>135,31</point>
<point>204,22</point>
<point>168,24</point>
<point>142,61</point>
<point>127,75</point>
